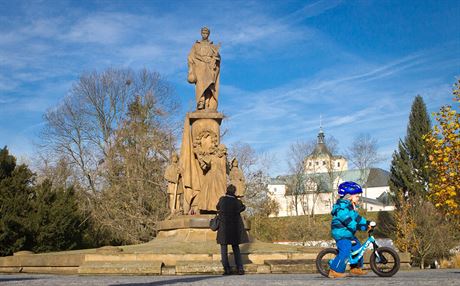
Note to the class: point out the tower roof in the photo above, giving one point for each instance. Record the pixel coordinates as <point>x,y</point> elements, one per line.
<point>320,148</point>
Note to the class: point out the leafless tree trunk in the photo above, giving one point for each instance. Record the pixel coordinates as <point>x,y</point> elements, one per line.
<point>296,156</point>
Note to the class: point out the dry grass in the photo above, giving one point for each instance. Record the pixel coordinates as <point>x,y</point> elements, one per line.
<point>453,262</point>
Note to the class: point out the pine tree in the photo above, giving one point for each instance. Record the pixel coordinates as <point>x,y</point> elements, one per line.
<point>409,174</point>
<point>15,204</point>
<point>56,220</point>
<point>38,218</point>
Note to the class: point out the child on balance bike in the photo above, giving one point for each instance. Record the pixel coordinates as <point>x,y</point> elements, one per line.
<point>345,222</point>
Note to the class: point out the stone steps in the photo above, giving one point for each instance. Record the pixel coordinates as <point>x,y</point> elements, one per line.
<point>188,267</point>
<point>115,261</point>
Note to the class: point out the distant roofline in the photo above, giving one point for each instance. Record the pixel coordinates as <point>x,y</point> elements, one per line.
<point>281,179</point>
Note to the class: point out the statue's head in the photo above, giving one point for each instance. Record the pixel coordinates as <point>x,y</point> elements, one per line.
<point>222,148</point>
<point>174,158</point>
<point>205,32</point>
<point>235,162</point>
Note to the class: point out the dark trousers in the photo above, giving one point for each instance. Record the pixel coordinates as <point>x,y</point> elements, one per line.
<point>236,254</point>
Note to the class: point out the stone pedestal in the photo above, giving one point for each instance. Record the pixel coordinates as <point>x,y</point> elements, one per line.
<point>188,228</point>
<point>204,162</point>
<point>205,121</point>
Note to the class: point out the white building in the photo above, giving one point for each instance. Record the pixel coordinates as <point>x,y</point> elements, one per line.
<point>316,190</point>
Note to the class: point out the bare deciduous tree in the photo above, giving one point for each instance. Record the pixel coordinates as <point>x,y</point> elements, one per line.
<point>255,168</point>
<point>116,130</point>
<point>363,155</point>
<point>81,128</point>
<point>297,182</point>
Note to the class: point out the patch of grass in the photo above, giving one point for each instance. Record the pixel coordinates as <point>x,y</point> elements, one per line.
<point>306,228</point>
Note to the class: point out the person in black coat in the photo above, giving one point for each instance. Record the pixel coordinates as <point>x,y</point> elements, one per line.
<point>231,229</point>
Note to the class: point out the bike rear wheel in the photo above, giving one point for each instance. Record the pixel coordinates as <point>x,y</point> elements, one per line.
<point>323,258</point>
<point>386,263</point>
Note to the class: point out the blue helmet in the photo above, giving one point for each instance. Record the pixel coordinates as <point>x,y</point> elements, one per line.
<point>349,188</point>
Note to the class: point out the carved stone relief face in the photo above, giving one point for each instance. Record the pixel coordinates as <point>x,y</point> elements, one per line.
<point>205,142</point>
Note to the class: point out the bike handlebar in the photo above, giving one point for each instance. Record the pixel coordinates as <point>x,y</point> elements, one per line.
<point>372,225</point>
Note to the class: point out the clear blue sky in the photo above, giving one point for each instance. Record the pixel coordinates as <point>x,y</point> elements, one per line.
<point>359,64</point>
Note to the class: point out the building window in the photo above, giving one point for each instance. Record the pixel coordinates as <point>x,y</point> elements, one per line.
<point>317,163</point>
<point>324,162</point>
<point>309,164</point>
<point>338,164</point>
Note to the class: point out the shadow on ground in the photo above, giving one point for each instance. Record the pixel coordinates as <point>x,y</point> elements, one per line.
<point>12,279</point>
<point>171,281</point>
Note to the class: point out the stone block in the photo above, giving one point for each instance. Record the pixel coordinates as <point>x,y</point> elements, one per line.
<point>43,260</point>
<point>186,221</point>
<point>50,270</point>
<point>168,270</point>
<point>292,266</point>
<point>167,259</point>
<point>304,255</point>
<point>10,261</point>
<point>198,267</point>
<point>10,269</point>
<point>122,267</point>
<point>260,258</point>
<point>250,268</point>
<point>188,234</point>
<point>263,269</point>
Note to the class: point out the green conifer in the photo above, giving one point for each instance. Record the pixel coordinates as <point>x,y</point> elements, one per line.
<point>16,192</point>
<point>408,172</point>
<point>56,220</point>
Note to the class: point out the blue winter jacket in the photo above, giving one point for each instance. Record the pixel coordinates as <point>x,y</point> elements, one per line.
<point>346,221</point>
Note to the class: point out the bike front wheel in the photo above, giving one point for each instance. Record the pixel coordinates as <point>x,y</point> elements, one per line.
<point>323,258</point>
<point>385,261</point>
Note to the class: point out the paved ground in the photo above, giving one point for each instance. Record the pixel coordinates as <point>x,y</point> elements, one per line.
<point>406,278</point>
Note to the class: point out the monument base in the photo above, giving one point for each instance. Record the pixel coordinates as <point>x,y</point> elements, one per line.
<point>188,228</point>
<point>164,256</point>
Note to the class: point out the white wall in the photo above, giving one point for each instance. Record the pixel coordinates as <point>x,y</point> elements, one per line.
<point>320,203</point>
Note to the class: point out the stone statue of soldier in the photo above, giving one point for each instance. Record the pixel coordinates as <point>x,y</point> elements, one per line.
<point>175,189</point>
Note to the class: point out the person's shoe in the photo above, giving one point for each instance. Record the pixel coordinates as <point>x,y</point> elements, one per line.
<point>227,271</point>
<point>333,274</point>
<point>357,271</point>
<point>240,271</point>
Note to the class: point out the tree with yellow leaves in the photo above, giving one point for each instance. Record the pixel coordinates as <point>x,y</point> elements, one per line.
<point>443,145</point>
